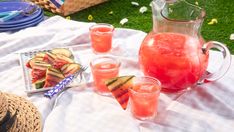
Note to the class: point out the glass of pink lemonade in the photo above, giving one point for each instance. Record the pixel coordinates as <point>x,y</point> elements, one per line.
<point>144,96</point>
<point>101,37</point>
<point>103,68</point>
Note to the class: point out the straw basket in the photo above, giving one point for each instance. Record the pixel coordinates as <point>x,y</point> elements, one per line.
<point>68,7</point>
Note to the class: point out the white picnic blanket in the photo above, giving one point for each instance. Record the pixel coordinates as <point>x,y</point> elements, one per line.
<point>208,107</point>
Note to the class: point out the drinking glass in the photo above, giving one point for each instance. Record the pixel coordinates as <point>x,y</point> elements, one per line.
<point>101,37</point>
<point>144,96</point>
<point>103,68</point>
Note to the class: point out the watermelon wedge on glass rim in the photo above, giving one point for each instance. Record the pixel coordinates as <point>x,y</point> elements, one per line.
<point>119,87</point>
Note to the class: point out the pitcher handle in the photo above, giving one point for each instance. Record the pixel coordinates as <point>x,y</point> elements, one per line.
<point>225,63</point>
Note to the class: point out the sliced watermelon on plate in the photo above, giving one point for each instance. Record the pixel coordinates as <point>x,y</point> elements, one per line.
<point>37,74</point>
<point>70,68</point>
<point>40,65</point>
<point>50,67</point>
<point>49,58</point>
<point>39,83</point>
<point>31,62</point>
<point>62,51</point>
<point>61,60</point>
<point>53,77</point>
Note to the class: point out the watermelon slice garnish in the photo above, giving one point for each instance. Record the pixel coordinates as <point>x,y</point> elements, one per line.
<point>119,88</point>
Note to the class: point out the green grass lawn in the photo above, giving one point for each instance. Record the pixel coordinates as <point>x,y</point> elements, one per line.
<point>222,10</point>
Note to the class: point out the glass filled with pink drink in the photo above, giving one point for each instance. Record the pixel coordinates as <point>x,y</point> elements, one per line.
<point>101,37</point>
<point>103,68</point>
<point>144,96</point>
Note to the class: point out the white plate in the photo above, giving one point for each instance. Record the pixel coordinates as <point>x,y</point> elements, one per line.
<point>25,57</point>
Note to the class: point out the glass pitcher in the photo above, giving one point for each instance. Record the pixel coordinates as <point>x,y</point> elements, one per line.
<point>174,51</point>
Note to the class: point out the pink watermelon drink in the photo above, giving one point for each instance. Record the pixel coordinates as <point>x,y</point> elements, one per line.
<point>104,68</point>
<point>101,37</point>
<point>175,59</point>
<point>144,97</point>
